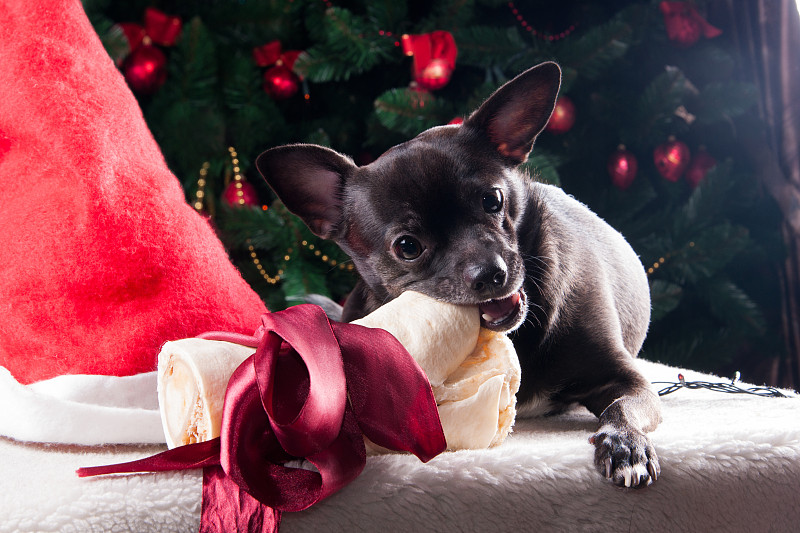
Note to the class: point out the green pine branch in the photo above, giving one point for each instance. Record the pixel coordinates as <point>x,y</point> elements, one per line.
<point>448,15</point>
<point>543,166</point>
<point>253,119</point>
<point>704,204</point>
<point>410,112</point>
<point>488,46</point>
<point>664,298</point>
<point>655,116</point>
<point>599,48</point>
<point>184,114</point>
<point>729,303</point>
<point>277,238</point>
<point>723,101</point>
<point>193,64</point>
<point>388,15</point>
<point>349,45</point>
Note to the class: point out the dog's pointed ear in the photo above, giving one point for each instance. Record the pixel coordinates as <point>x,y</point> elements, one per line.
<point>514,115</point>
<point>308,179</point>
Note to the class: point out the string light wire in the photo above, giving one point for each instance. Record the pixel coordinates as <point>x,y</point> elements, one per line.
<point>729,388</point>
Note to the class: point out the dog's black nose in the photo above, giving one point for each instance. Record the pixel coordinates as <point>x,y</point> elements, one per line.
<point>486,277</point>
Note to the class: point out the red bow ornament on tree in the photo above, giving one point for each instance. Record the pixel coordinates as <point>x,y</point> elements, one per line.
<point>313,389</point>
<point>280,81</point>
<point>684,23</point>
<point>434,58</point>
<point>145,67</point>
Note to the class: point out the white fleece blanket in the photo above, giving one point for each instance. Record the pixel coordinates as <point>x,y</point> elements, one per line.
<point>729,463</point>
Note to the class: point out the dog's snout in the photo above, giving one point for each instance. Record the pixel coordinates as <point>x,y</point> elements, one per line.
<point>487,277</point>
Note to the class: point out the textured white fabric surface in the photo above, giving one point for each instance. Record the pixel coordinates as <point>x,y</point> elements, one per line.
<point>729,463</point>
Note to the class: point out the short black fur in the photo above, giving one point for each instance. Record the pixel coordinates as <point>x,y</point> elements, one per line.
<point>447,214</point>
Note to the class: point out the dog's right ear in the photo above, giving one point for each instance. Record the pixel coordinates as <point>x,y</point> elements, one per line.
<point>308,179</point>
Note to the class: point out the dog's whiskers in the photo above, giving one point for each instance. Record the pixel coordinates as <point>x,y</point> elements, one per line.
<point>532,315</point>
<point>543,261</point>
<point>535,281</point>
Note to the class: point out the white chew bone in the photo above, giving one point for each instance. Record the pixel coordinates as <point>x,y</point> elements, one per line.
<point>439,336</point>
<point>484,385</point>
<point>474,373</point>
<point>192,377</point>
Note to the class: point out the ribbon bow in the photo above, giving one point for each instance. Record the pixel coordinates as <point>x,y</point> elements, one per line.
<point>684,24</point>
<point>313,389</point>
<point>434,57</point>
<point>159,28</point>
<point>272,54</point>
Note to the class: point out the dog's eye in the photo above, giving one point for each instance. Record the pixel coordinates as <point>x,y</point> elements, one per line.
<point>407,247</point>
<point>493,201</point>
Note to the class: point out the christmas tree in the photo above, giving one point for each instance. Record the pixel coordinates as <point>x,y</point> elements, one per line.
<point>647,132</point>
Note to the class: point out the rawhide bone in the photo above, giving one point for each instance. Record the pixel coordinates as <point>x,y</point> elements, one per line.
<point>474,373</point>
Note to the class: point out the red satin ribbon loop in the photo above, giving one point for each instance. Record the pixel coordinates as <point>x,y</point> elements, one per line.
<point>385,386</point>
<point>267,54</point>
<point>272,53</point>
<point>313,365</point>
<point>251,455</point>
<point>161,28</point>
<point>310,424</point>
<point>427,47</point>
<point>311,390</point>
<point>682,18</point>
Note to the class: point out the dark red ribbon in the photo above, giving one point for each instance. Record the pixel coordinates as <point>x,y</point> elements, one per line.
<point>681,20</point>
<point>272,54</point>
<point>313,389</point>
<point>434,55</point>
<point>159,28</point>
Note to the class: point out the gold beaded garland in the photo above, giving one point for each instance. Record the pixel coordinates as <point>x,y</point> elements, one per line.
<point>201,187</point>
<point>657,264</point>
<point>662,260</point>
<point>272,280</point>
<point>237,183</point>
<point>237,176</point>
<point>332,262</point>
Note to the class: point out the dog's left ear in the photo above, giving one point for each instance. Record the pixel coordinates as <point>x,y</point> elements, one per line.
<point>517,112</point>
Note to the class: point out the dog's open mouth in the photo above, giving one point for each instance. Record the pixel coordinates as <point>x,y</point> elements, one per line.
<point>504,313</point>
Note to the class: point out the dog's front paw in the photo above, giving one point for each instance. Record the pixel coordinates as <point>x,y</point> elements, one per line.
<point>627,457</point>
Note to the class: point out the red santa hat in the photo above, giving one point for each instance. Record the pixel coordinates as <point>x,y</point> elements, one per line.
<point>101,258</point>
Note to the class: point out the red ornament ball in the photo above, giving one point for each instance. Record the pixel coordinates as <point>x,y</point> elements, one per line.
<point>434,76</point>
<point>701,163</point>
<point>622,166</point>
<point>563,117</point>
<point>233,198</point>
<point>280,82</point>
<point>671,159</point>
<point>145,69</point>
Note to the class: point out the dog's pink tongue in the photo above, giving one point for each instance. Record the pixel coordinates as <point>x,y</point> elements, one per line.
<point>498,309</point>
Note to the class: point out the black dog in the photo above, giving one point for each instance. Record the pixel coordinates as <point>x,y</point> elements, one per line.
<point>446,214</point>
